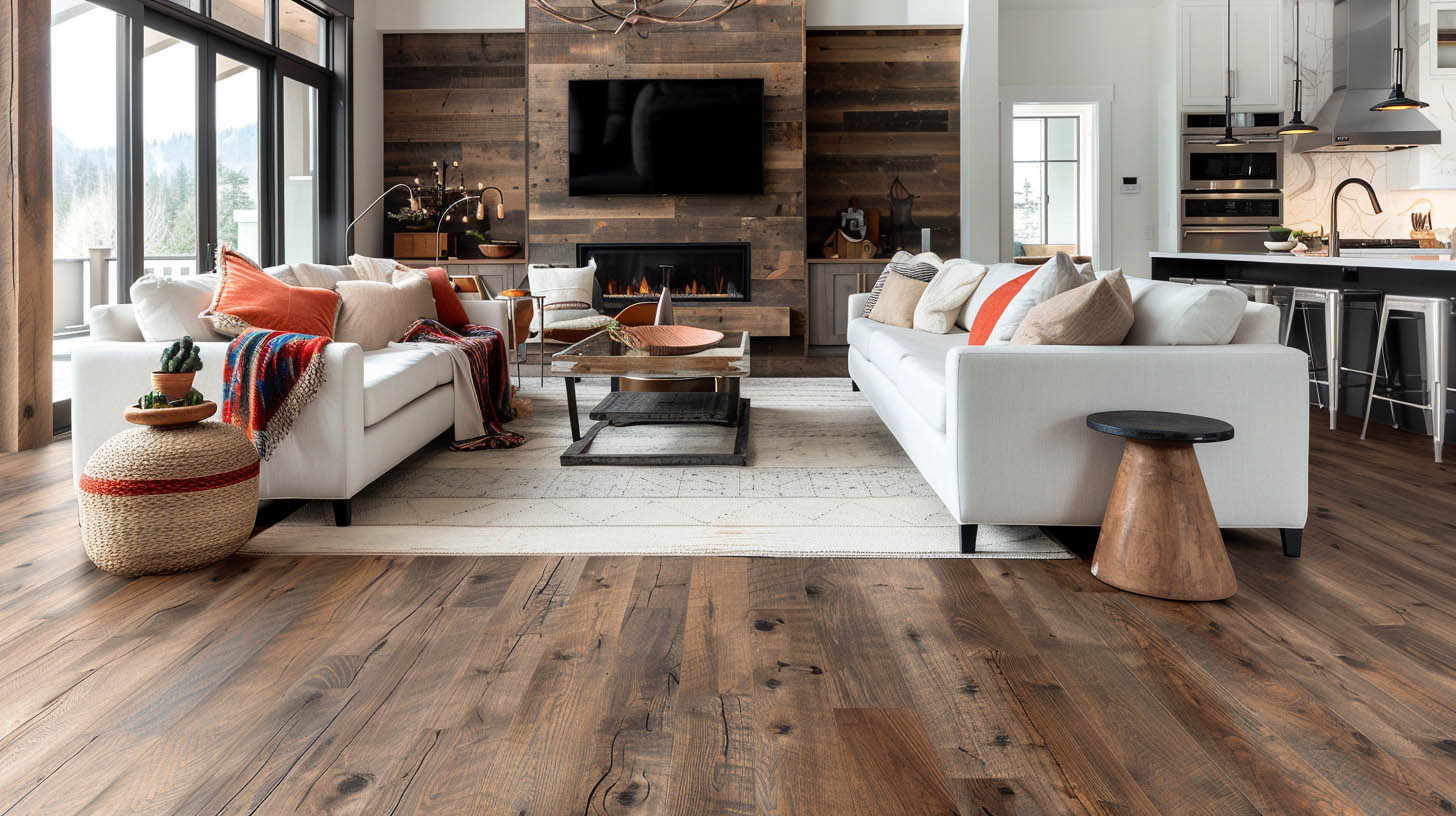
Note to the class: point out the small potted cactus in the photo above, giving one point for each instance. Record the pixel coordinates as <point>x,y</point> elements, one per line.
<point>180,364</point>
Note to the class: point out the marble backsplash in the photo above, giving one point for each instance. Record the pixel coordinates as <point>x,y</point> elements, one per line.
<point>1310,177</point>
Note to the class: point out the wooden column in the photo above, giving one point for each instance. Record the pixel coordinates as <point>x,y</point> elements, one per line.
<point>25,237</point>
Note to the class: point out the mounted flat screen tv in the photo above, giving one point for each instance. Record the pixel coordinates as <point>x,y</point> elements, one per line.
<point>666,136</point>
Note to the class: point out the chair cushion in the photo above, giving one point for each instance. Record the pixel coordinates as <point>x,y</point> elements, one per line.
<point>396,376</point>
<point>1181,314</point>
<point>921,381</point>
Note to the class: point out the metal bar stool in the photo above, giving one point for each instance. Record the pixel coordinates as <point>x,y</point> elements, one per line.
<point>1436,312</point>
<point>1333,302</point>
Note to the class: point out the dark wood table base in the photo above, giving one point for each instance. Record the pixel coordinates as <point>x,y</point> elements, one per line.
<point>1159,536</point>
<point>626,408</point>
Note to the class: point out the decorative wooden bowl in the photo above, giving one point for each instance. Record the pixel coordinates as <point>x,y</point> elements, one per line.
<point>169,417</point>
<point>669,341</point>
<point>500,249</point>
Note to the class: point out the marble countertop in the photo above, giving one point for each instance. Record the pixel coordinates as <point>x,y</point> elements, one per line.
<point>1310,260</point>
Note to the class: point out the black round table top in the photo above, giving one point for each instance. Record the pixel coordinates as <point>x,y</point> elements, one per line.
<point>1161,426</point>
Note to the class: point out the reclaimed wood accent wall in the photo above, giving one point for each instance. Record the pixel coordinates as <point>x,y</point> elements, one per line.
<point>458,97</point>
<point>883,104</point>
<point>764,39</point>
<point>25,225</point>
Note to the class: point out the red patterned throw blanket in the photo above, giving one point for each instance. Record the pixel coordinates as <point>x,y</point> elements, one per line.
<point>485,349</point>
<point>270,376</point>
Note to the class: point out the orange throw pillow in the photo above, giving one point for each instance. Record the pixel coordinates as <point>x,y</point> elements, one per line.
<point>448,308</point>
<point>249,298</point>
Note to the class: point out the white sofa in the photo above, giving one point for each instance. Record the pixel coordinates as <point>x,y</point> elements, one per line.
<point>374,409</point>
<point>1000,432</point>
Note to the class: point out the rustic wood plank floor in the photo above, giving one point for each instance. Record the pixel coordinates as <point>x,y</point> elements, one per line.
<point>614,685</point>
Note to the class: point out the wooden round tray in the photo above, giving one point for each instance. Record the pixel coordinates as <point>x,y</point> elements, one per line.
<point>169,417</point>
<point>669,341</point>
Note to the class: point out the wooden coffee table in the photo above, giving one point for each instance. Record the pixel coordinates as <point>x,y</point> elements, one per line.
<point>601,356</point>
<point>1159,536</point>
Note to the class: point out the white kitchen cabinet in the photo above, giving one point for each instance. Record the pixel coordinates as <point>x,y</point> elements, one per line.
<point>1258,60</point>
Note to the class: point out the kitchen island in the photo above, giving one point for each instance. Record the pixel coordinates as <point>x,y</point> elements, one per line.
<point>1391,275</point>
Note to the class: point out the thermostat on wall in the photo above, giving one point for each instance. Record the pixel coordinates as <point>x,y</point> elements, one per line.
<point>1129,185</point>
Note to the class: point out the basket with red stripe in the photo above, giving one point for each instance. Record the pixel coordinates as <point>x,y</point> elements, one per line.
<point>160,500</point>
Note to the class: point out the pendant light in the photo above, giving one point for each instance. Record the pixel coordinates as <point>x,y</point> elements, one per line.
<point>1297,125</point>
<point>1228,140</point>
<point>1398,101</point>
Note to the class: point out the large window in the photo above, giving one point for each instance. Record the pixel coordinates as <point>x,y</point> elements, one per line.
<point>180,125</point>
<point>1045,178</point>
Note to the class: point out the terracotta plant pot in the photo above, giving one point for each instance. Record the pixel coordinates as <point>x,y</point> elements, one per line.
<point>173,386</point>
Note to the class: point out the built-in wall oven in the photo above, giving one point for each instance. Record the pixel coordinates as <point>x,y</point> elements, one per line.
<point>1230,195</point>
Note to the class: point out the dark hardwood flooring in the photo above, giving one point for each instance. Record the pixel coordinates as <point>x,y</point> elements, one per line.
<point>534,685</point>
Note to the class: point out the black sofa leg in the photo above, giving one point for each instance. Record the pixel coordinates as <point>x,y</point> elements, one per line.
<point>1292,538</point>
<point>343,512</point>
<point>854,386</point>
<point>968,538</point>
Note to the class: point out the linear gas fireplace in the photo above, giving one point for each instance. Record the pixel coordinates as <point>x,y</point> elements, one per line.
<point>693,272</point>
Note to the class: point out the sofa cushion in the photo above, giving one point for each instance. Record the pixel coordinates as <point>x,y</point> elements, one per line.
<point>897,299</point>
<point>1094,314</point>
<point>375,314</point>
<point>947,295</point>
<point>168,307</point>
<point>922,267</point>
<point>885,346</point>
<point>1181,314</point>
<point>322,276</point>
<point>921,381</point>
<point>247,297</point>
<point>1003,298</point>
<point>396,376</point>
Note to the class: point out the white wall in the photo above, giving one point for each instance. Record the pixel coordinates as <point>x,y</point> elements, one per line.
<point>368,125</point>
<point>418,16</point>
<point>1108,46</point>
<point>884,13</point>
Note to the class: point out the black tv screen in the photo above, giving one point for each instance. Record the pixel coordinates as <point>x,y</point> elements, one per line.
<point>666,136</point>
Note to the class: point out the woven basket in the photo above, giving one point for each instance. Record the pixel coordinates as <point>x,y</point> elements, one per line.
<point>160,500</point>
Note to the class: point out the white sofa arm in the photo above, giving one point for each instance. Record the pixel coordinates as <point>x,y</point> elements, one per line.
<point>490,313</point>
<point>857,304</point>
<point>321,458</point>
<point>1016,418</point>
<point>114,322</point>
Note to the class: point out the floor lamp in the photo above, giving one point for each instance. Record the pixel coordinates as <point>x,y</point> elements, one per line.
<point>414,205</point>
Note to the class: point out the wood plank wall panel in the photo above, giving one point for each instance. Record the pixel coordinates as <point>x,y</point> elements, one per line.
<point>764,40</point>
<point>459,97</point>
<point>883,104</point>
<point>25,225</point>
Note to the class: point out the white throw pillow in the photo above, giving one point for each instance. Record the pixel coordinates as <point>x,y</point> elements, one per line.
<point>375,314</point>
<point>169,307</point>
<point>566,290</point>
<point>374,269</point>
<point>947,293</point>
<point>1181,314</point>
<point>1008,291</point>
<point>323,276</point>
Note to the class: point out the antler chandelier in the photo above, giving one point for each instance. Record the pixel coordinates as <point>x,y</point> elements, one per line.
<point>611,16</point>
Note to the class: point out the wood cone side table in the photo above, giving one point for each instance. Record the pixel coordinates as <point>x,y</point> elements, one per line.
<point>161,500</point>
<point>1159,536</point>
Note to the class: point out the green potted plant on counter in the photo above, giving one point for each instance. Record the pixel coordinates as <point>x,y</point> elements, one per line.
<point>1279,240</point>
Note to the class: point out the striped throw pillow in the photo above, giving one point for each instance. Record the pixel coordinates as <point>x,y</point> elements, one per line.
<point>916,270</point>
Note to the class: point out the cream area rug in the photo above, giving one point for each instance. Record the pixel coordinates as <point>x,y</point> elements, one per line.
<point>824,478</point>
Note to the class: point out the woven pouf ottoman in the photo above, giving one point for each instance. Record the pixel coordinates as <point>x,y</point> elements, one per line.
<point>159,500</point>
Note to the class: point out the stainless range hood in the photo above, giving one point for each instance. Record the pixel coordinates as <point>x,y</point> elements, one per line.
<point>1362,75</point>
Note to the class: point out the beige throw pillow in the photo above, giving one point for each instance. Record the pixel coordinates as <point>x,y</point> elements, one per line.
<point>1093,314</point>
<point>948,291</point>
<point>375,314</point>
<point>896,305</point>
